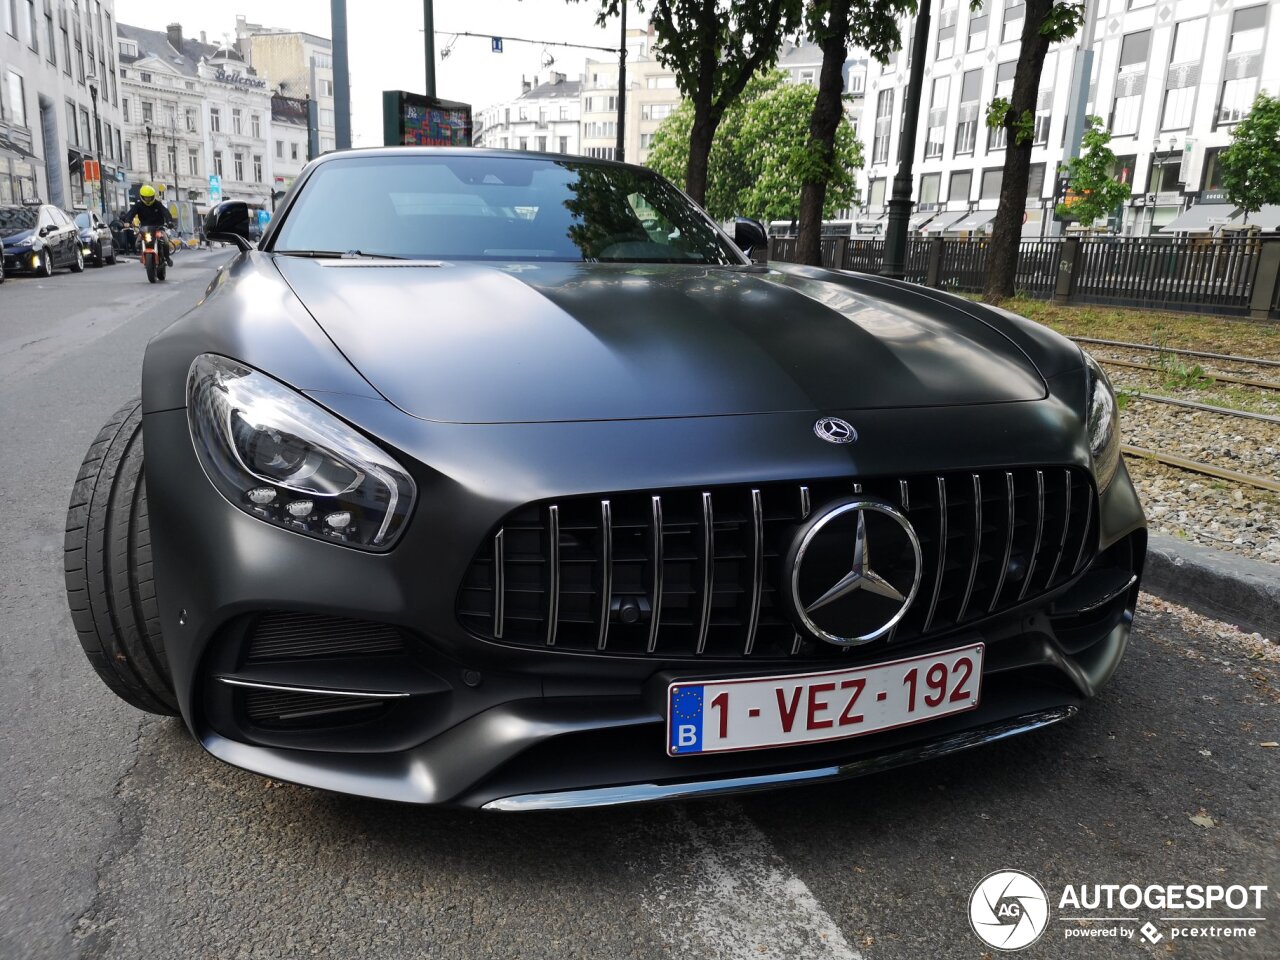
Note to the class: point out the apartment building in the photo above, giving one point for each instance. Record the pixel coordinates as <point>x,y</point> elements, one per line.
<point>543,118</point>
<point>57,57</point>
<point>299,65</point>
<point>652,96</point>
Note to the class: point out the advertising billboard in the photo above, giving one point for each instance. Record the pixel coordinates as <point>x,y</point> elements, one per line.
<point>413,119</point>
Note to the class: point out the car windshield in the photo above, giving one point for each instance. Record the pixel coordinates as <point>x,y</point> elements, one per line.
<point>84,221</point>
<point>13,219</point>
<point>485,207</point>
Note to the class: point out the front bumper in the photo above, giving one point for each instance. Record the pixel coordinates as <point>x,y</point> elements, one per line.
<point>20,261</point>
<point>488,725</point>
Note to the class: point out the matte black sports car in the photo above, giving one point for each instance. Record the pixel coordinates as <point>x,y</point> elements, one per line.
<point>504,480</point>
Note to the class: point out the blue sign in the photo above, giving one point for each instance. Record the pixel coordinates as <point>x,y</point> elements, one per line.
<point>215,188</point>
<point>496,44</point>
<point>263,219</point>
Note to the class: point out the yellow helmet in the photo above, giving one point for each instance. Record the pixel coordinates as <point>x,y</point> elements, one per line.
<point>147,193</point>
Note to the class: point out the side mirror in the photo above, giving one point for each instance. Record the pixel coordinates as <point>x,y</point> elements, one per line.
<point>228,222</point>
<point>47,229</point>
<point>751,238</point>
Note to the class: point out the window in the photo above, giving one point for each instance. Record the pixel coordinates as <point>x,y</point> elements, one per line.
<point>1012,26</point>
<point>542,116</point>
<point>1165,174</point>
<point>1212,178</point>
<point>806,76</point>
<point>997,136</point>
<point>1044,101</point>
<point>601,128</point>
<point>875,196</point>
<point>564,144</point>
<point>51,47</point>
<point>524,113</point>
<point>193,161</point>
<point>1183,76</point>
<point>992,178</point>
<point>128,154</point>
<point>656,111</point>
<point>564,115</point>
<point>215,120</point>
<point>255,125</point>
<point>238,160</point>
<point>542,144</point>
<point>145,77</point>
<point>646,141</point>
<point>1130,82</point>
<point>33,27</point>
<point>326,119</point>
<point>978,32</point>
<point>661,83</point>
<point>237,123</point>
<point>326,87</point>
<point>280,149</point>
<point>967,127</point>
<point>1035,181</point>
<point>946,42</point>
<point>124,109</point>
<point>73,135</point>
<point>1240,83</point>
<point>293,151</point>
<point>930,184</point>
<point>960,187</point>
<point>856,82</point>
<point>86,128</point>
<point>148,111</point>
<point>190,114</point>
<point>257,168</point>
<point>17,100</point>
<point>937,117</point>
<point>600,153</point>
<point>522,143</point>
<point>217,162</point>
<point>171,158</point>
<point>883,131</point>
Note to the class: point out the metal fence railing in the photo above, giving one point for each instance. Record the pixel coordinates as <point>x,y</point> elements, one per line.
<point>1212,275</point>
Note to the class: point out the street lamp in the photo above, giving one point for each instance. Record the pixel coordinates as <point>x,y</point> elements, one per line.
<point>151,161</point>
<point>93,95</point>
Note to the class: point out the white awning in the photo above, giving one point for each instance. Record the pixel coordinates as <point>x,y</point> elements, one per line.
<point>918,220</point>
<point>1202,218</point>
<point>972,222</point>
<point>1267,219</point>
<point>942,221</point>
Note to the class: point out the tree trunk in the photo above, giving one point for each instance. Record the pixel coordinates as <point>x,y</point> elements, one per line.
<point>701,136</point>
<point>1006,230</point>
<point>828,111</point>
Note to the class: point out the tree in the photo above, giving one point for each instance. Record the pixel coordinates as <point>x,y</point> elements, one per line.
<point>1251,165</point>
<point>835,25</point>
<point>760,154</point>
<point>714,47</point>
<point>1091,177</point>
<point>1044,22</point>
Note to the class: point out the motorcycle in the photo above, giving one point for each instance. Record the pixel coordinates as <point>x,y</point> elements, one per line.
<point>153,253</point>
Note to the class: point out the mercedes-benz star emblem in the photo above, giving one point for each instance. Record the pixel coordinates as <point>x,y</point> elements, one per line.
<point>836,591</point>
<point>835,430</point>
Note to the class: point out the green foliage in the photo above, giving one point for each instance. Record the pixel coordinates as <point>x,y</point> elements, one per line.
<point>1251,165</point>
<point>1091,176</point>
<point>870,25</point>
<point>761,153</point>
<point>1062,21</point>
<point>1024,128</point>
<point>997,110</point>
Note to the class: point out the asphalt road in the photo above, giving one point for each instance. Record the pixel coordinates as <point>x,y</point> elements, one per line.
<point>119,838</point>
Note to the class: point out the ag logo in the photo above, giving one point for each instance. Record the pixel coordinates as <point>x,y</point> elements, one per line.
<point>1008,910</point>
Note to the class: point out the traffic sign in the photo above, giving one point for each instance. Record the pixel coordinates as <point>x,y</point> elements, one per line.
<point>92,171</point>
<point>495,44</point>
<point>215,188</point>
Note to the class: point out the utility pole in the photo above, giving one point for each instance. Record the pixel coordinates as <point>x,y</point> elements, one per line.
<point>341,77</point>
<point>622,87</point>
<point>895,239</point>
<point>151,158</point>
<point>97,127</point>
<point>429,32</point>
<point>1081,71</point>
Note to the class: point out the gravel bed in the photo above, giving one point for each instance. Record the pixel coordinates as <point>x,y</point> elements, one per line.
<point>1227,368</point>
<point>1235,443</point>
<point>1217,394</point>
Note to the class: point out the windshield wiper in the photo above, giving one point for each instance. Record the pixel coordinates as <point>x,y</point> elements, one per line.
<point>338,255</point>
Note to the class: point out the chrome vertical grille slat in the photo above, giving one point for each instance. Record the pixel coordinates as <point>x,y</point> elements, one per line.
<point>942,554</point>
<point>553,573</point>
<point>606,571</point>
<point>499,584</point>
<point>702,572</point>
<point>708,570</point>
<point>1008,539</point>
<point>1035,549</point>
<point>976,552</point>
<point>655,590</point>
<point>757,571</point>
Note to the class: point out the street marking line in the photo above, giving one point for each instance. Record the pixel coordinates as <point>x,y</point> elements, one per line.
<point>721,891</point>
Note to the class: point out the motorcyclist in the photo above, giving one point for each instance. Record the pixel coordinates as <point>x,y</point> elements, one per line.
<point>148,212</point>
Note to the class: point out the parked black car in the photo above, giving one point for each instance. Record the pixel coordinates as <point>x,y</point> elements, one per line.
<point>508,481</point>
<point>96,242</point>
<point>38,238</point>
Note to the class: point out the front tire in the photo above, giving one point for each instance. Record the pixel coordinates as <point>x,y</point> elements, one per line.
<point>151,269</point>
<point>161,270</point>
<point>77,265</point>
<point>45,269</point>
<point>107,563</point>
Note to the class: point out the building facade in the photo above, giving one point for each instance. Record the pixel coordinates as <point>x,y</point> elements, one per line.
<point>298,65</point>
<point>289,140</point>
<point>57,64</point>
<point>543,118</point>
<point>1169,80</point>
<point>652,96</point>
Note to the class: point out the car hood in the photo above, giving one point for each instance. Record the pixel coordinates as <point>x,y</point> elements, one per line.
<point>503,343</point>
<point>13,239</point>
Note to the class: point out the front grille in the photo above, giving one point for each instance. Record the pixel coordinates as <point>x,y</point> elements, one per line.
<point>284,635</point>
<point>688,573</point>
<point>282,709</point>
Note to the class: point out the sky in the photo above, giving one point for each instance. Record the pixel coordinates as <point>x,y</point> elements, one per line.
<point>386,42</point>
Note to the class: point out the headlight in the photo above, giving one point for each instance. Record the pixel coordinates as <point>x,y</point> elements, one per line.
<point>1103,421</point>
<point>276,455</point>
<point>24,244</point>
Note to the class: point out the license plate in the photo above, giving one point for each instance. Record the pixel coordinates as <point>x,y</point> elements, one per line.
<point>721,715</point>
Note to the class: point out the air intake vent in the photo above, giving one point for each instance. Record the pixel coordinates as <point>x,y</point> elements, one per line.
<point>700,573</point>
<point>299,636</point>
<point>283,709</point>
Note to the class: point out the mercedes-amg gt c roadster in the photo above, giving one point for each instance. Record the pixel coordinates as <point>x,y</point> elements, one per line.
<point>510,481</point>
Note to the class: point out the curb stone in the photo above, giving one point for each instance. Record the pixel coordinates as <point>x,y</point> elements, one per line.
<point>1234,589</point>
